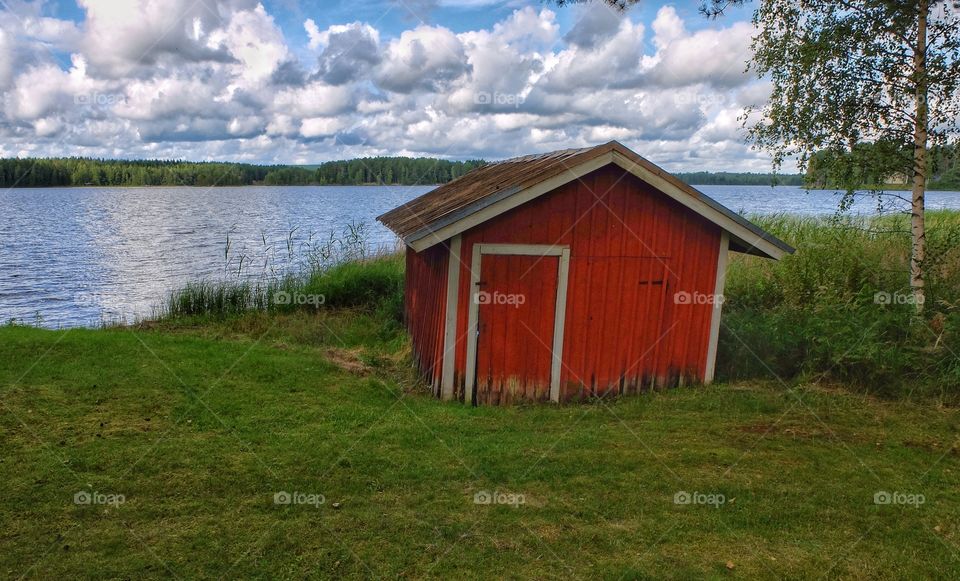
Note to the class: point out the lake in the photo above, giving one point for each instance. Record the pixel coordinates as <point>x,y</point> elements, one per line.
<point>81,256</point>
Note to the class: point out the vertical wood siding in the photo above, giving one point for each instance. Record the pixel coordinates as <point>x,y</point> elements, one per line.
<point>515,323</point>
<point>633,250</point>
<point>424,308</point>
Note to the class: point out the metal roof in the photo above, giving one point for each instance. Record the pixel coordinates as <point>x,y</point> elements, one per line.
<point>496,181</point>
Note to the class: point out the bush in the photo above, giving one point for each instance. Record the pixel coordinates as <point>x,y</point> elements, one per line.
<point>365,284</point>
<point>839,308</point>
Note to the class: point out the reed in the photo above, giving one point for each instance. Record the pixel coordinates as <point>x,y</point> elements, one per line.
<point>840,308</point>
<point>341,270</point>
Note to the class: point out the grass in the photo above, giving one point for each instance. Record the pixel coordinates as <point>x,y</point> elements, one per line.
<point>374,282</point>
<point>198,426</point>
<point>200,418</point>
<point>840,308</point>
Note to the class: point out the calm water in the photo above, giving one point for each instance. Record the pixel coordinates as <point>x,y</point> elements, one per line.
<point>80,256</point>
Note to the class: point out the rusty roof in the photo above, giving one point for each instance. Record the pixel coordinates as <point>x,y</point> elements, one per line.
<point>490,183</point>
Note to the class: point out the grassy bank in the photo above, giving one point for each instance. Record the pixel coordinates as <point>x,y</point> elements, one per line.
<point>838,310</point>
<point>199,427</point>
<point>162,450</point>
<point>841,309</point>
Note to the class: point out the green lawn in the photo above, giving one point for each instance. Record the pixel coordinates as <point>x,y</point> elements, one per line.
<point>199,427</point>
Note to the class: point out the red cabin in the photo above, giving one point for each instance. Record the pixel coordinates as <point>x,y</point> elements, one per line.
<point>567,275</point>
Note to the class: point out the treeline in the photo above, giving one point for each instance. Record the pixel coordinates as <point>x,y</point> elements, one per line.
<point>75,171</point>
<point>393,170</point>
<point>723,178</point>
<point>867,165</point>
<point>882,165</point>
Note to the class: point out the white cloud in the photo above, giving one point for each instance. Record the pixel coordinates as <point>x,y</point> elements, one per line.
<point>253,39</point>
<point>61,34</point>
<point>313,32</point>
<point>7,57</point>
<point>667,27</point>
<point>597,23</point>
<point>124,38</point>
<point>426,58</point>
<point>599,64</point>
<point>219,79</point>
<point>312,100</point>
<point>321,126</point>
<point>349,51</point>
<point>714,57</point>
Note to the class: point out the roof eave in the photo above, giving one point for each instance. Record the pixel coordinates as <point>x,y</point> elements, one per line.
<point>746,236</point>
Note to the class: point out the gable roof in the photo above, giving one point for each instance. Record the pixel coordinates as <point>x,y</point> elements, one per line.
<point>495,188</point>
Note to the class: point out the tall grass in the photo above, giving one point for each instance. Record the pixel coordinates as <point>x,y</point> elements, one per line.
<point>340,271</point>
<point>840,308</point>
<point>837,310</point>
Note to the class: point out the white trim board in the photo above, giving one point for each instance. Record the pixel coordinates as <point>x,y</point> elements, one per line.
<point>559,320</point>
<point>559,317</point>
<point>740,233</point>
<point>450,320</point>
<point>717,307</point>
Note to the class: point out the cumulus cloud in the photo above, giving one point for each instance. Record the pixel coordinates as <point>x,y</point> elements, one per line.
<point>59,34</point>
<point>349,51</point>
<point>596,25</point>
<point>123,38</point>
<point>714,57</point>
<point>426,58</point>
<point>505,62</point>
<point>254,43</point>
<point>8,56</point>
<point>220,79</point>
<point>599,64</point>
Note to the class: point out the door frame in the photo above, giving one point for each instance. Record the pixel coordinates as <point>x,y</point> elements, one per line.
<point>560,309</point>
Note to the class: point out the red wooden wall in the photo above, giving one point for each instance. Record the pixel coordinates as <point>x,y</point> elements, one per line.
<point>632,249</point>
<point>425,306</point>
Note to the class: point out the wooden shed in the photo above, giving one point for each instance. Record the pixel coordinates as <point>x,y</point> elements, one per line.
<point>567,275</point>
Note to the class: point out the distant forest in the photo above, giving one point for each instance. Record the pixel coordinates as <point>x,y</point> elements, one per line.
<point>723,178</point>
<point>884,166</point>
<point>73,171</point>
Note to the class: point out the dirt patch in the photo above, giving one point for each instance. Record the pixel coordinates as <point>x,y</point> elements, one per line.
<point>933,445</point>
<point>793,431</point>
<point>349,360</point>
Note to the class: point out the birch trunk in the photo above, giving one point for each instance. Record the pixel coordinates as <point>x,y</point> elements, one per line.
<point>917,225</point>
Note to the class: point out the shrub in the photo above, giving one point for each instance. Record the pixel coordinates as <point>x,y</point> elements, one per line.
<point>365,284</point>
<point>839,308</point>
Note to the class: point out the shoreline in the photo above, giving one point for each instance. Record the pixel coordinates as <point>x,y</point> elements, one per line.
<point>771,186</point>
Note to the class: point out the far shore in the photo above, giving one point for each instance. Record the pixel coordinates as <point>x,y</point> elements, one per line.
<point>887,188</point>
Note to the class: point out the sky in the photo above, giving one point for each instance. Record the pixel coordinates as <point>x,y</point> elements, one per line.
<point>297,81</point>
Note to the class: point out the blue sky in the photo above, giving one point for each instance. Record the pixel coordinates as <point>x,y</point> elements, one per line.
<point>294,81</point>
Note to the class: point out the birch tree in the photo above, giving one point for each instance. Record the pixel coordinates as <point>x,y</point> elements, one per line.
<point>843,72</point>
